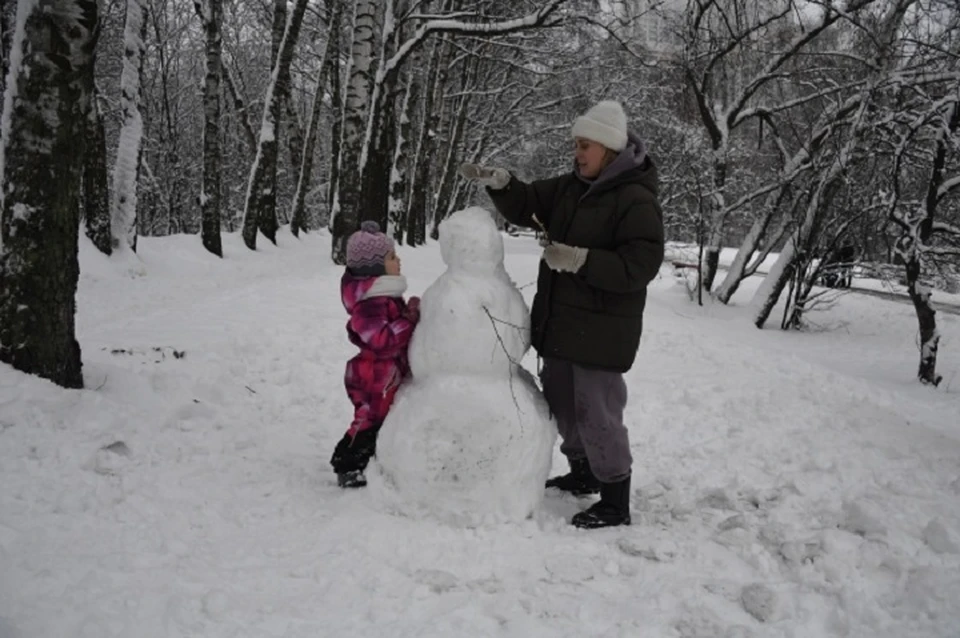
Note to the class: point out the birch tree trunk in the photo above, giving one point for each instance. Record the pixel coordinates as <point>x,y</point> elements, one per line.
<point>96,193</point>
<point>126,171</point>
<point>400,166</point>
<point>260,210</point>
<point>43,126</point>
<point>335,75</point>
<point>345,214</point>
<point>211,13</point>
<point>298,216</point>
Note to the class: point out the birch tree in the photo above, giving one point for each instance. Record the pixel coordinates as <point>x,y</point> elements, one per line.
<point>43,124</point>
<point>298,215</point>
<point>829,178</point>
<point>260,209</point>
<point>96,193</point>
<point>211,17</point>
<point>729,84</point>
<point>921,229</point>
<point>126,171</point>
<point>361,124</point>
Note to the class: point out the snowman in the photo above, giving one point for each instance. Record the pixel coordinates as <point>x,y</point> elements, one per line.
<point>469,438</point>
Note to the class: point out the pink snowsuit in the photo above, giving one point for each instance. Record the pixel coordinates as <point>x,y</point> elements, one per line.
<point>381,325</point>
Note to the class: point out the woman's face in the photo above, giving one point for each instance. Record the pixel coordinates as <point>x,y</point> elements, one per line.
<point>590,157</point>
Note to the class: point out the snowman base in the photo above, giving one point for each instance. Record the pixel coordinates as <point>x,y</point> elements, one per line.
<point>479,455</point>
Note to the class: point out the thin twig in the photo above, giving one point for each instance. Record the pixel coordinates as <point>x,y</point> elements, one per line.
<point>513,394</point>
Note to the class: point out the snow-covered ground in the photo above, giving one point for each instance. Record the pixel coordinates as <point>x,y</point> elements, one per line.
<point>786,484</point>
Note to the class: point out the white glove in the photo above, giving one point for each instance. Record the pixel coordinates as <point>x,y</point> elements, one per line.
<point>495,178</point>
<point>563,258</point>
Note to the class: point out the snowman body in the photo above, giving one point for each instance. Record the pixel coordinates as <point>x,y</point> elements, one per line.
<point>470,437</point>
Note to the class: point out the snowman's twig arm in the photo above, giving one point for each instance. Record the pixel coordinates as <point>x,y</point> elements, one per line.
<point>493,322</point>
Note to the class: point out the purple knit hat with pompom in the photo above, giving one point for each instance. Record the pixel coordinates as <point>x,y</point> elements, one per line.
<point>367,249</point>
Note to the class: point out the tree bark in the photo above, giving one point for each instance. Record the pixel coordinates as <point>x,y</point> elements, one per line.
<point>8,14</point>
<point>917,235</point>
<point>400,166</point>
<point>211,13</point>
<point>260,210</point>
<point>335,74</point>
<point>298,216</point>
<point>417,209</point>
<point>96,193</point>
<point>345,215</point>
<point>448,175</point>
<point>126,172</point>
<point>44,122</point>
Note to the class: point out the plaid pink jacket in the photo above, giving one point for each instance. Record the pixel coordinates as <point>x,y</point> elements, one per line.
<point>380,325</point>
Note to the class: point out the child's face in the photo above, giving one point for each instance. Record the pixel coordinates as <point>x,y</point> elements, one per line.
<point>392,264</point>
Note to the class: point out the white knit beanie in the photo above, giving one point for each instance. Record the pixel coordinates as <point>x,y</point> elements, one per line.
<point>605,123</point>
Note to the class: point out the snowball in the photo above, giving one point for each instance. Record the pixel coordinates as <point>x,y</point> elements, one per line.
<point>759,601</point>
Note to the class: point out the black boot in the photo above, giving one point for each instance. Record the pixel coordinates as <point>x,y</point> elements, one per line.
<point>579,482</point>
<point>353,478</point>
<point>611,510</point>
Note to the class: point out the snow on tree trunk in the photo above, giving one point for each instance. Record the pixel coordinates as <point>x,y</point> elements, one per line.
<point>335,74</point>
<point>747,248</point>
<point>43,127</point>
<point>718,217</point>
<point>298,216</point>
<point>126,171</point>
<point>211,13</point>
<point>260,209</point>
<point>96,193</point>
<point>917,234</point>
<point>345,215</point>
<point>400,168</point>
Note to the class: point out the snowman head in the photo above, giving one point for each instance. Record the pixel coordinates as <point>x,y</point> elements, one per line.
<point>470,242</point>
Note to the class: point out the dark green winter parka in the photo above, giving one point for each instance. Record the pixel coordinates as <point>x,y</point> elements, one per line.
<point>594,317</point>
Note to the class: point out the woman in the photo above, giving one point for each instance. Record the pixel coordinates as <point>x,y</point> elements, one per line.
<point>603,244</point>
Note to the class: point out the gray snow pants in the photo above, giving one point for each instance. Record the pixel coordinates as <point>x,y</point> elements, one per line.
<point>588,406</point>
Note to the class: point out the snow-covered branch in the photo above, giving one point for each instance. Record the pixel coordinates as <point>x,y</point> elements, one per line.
<point>769,72</point>
<point>945,229</point>
<point>446,25</point>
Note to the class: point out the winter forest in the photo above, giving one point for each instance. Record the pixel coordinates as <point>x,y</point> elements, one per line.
<point>791,126</point>
<point>178,182</point>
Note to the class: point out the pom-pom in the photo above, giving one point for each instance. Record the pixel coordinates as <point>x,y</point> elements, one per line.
<point>370,227</point>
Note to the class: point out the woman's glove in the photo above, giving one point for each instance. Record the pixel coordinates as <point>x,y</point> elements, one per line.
<point>495,178</point>
<point>563,258</point>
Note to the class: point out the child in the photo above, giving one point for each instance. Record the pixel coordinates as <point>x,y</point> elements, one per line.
<point>381,325</point>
